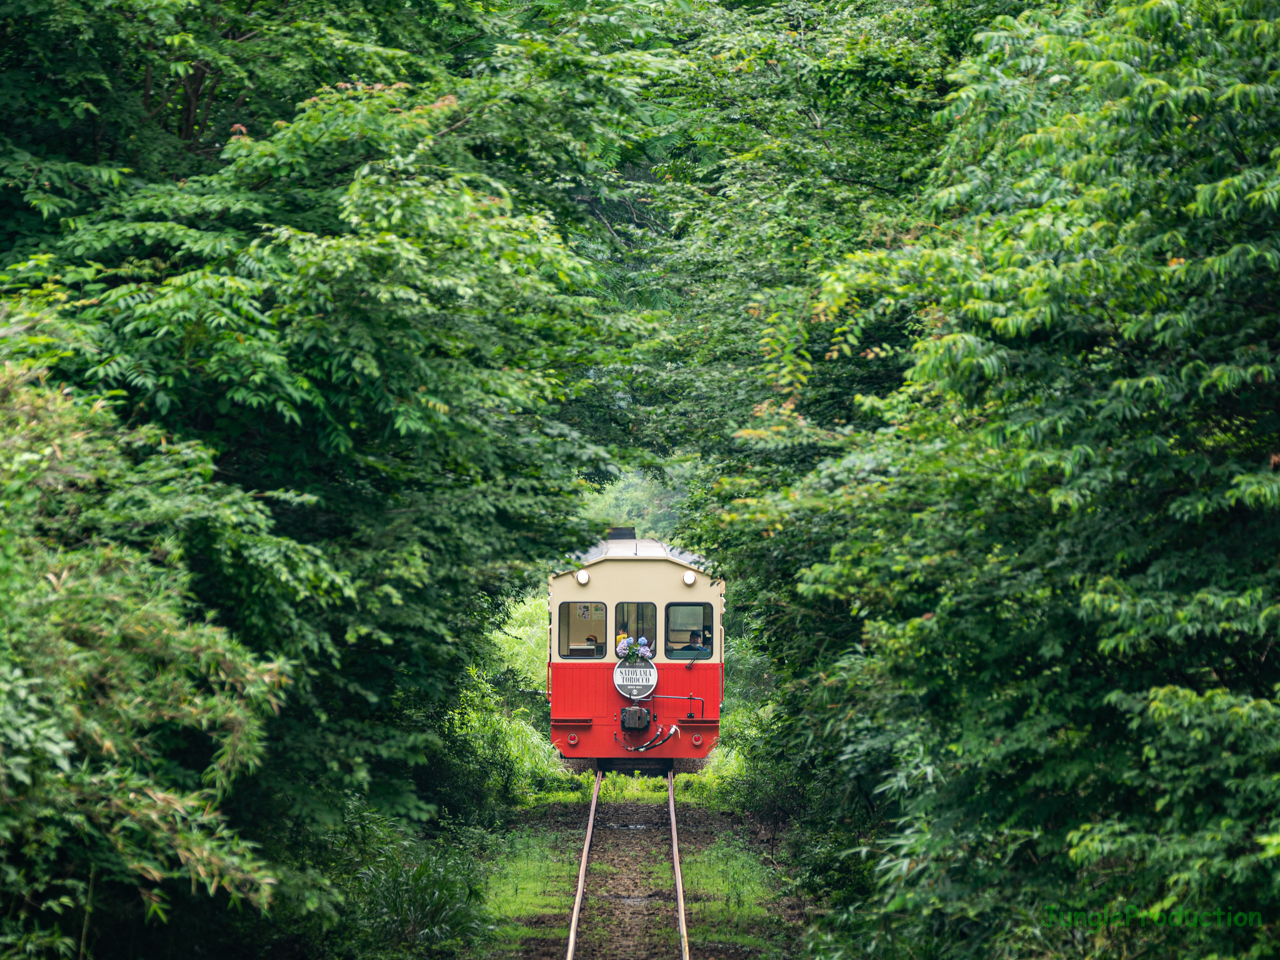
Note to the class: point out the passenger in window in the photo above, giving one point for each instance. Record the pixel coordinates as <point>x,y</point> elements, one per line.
<point>695,642</point>
<point>587,648</point>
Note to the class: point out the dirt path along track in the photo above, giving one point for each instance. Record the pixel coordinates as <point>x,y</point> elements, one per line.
<point>627,906</point>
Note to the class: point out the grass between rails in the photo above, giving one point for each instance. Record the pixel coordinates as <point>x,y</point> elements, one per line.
<point>629,870</point>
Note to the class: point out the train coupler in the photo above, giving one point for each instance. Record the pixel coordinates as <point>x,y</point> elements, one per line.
<point>635,718</point>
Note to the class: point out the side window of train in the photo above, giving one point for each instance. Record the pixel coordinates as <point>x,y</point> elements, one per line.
<point>690,631</point>
<point>637,621</point>
<point>584,630</point>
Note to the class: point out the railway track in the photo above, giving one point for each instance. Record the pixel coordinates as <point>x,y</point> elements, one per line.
<point>586,856</point>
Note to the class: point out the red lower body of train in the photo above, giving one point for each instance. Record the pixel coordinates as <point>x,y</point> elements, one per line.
<point>586,712</point>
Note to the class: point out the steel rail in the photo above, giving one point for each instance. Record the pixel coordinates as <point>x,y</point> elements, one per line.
<point>675,860</point>
<point>582,870</point>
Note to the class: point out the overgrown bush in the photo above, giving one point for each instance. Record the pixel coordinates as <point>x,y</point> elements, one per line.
<point>489,755</point>
<point>369,886</point>
<point>749,676</point>
<point>515,664</point>
<point>429,900</point>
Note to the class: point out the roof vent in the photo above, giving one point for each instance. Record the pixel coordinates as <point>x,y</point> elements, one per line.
<point>622,533</point>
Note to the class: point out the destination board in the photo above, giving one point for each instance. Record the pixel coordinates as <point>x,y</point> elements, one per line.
<point>635,680</point>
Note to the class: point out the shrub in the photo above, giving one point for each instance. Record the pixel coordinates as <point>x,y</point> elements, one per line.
<point>432,900</point>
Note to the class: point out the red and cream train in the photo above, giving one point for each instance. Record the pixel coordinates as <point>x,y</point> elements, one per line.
<point>635,658</point>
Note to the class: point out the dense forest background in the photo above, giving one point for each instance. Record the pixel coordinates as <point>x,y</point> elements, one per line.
<point>947,332</point>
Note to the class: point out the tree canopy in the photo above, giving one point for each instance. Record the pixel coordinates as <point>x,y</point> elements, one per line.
<point>951,329</point>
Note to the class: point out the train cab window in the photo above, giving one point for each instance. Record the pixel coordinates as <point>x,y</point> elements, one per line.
<point>690,631</point>
<point>584,633</point>
<point>636,620</point>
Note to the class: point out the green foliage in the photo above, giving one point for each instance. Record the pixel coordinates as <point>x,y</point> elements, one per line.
<point>372,888</point>
<point>368,306</point>
<point>534,872</point>
<point>965,378</point>
<point>362,308</point>
<point>432,903</point>
<point>797,132</point>
<point>649,504</point>
<point>495,751</point>
<point>521,640</point>
<point>1033,612</point>
<point>124,723</point>
<point>565,788</point>
<point>97,91</point>
<point>747,681</point>
<point>618,786</point>
<point>732,877</point>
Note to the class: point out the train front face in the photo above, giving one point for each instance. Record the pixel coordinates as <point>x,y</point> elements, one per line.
<point>635,597</point>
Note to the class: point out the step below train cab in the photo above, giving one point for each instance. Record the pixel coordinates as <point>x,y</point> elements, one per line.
<point>635,662</point>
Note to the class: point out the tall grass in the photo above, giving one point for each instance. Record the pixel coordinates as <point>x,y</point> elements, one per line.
<point>733,878</point>
<point>519,756</point>
<point>372,887</point>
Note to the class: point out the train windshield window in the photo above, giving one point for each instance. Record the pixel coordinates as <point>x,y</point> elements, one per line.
<point>690,631</point>
<point>583,630</point>
<point>637,621</point>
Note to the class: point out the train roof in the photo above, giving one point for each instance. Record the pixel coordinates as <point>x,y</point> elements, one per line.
<point>622,544</point>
